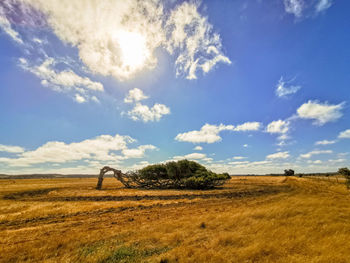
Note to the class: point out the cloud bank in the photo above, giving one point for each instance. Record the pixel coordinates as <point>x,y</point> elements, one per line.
<point>119,37</point>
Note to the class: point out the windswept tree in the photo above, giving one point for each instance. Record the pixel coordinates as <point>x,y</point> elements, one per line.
<point>182,174</point>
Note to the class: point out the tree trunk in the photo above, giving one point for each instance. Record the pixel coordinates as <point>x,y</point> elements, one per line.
<point>100,179</point>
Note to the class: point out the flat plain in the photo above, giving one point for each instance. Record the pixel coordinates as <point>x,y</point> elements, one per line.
<point>249,219</point>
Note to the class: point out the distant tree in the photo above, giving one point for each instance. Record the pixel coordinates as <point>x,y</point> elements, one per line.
<point>289,172</point>
<point>182,174</point>
<point>346,173</point>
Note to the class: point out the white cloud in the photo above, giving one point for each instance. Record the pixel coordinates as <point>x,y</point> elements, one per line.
<point>325,142</point>
<point>63,81</point>
<point>100,149</point>
<point>316,152</point>
<point>282,90</point>
<point>111,41</point>
<point>344,134</point>
<point>143,112</point>
<point>11,149</point>
<point>146,114</point>
<point>279,126</point>
<point>239,163</point>
<point>322,5</point>
<point>138,152</point>
<point>210,133</point>
<point>198,148</point>
<point>245,145</point>
<point>6,26</point>
<point>207,134</point>
<point>294,7</point>
<point>314,162</point>
<point>135,95</point>
<point>337,160</point>
<point>191,156</point>
<point>248,126</point>
<point>79,99</point>
<point>321,113</point>
<point>239,157</point>
<point>278,155</point>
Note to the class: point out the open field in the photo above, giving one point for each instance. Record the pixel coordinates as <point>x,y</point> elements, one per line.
<point>250,219</point>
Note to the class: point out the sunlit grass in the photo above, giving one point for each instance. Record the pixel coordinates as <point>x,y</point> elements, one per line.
<point>273,219</point>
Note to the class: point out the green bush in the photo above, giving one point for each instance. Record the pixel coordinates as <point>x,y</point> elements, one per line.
<point>346,173</point>
<point>180,174</point>
<point>289,172</point>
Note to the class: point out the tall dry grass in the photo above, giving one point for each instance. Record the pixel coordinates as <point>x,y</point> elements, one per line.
<point>252,219</point>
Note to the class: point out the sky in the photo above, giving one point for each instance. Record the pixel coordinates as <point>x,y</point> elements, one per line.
<point>240,86</point>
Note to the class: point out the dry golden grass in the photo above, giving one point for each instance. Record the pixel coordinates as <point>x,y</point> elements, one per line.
<point>251,219</point>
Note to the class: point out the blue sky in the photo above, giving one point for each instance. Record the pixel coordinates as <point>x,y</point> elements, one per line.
<point>239,86</point>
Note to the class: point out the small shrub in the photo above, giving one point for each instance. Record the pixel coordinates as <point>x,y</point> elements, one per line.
<point>346,173</point>
<point>289,172</point>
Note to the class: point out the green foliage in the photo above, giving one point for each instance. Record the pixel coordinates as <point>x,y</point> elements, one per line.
<point>152,172</point>
<point>181,174</point>
<point>346,173</point>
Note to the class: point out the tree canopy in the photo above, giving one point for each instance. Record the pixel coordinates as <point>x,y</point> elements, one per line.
<point>182,174</point>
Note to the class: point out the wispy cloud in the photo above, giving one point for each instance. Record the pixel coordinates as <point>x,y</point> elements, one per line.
<point>11,149</point>
<point>303,8</point>
<point>7,28</point>
<point>316,152</point>
<point>210,133</point>
<point>278,155</point>
<point>200,47</point>
<point>66,81</point>
<point>283,89</point>
<point>191,156</point>
<point>322,5</point>
<point>238,157</point>
<point>294,7</point>
<point>325,142</point>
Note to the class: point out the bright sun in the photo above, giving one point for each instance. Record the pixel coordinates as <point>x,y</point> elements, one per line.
<point>134,51</point>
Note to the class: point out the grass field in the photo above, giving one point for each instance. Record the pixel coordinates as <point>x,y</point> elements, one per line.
<point>250,219</point>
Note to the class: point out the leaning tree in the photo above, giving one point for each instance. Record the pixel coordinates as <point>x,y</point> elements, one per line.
<point>182,174</point>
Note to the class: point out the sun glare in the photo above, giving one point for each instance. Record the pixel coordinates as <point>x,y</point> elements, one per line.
<point>134,49</point>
